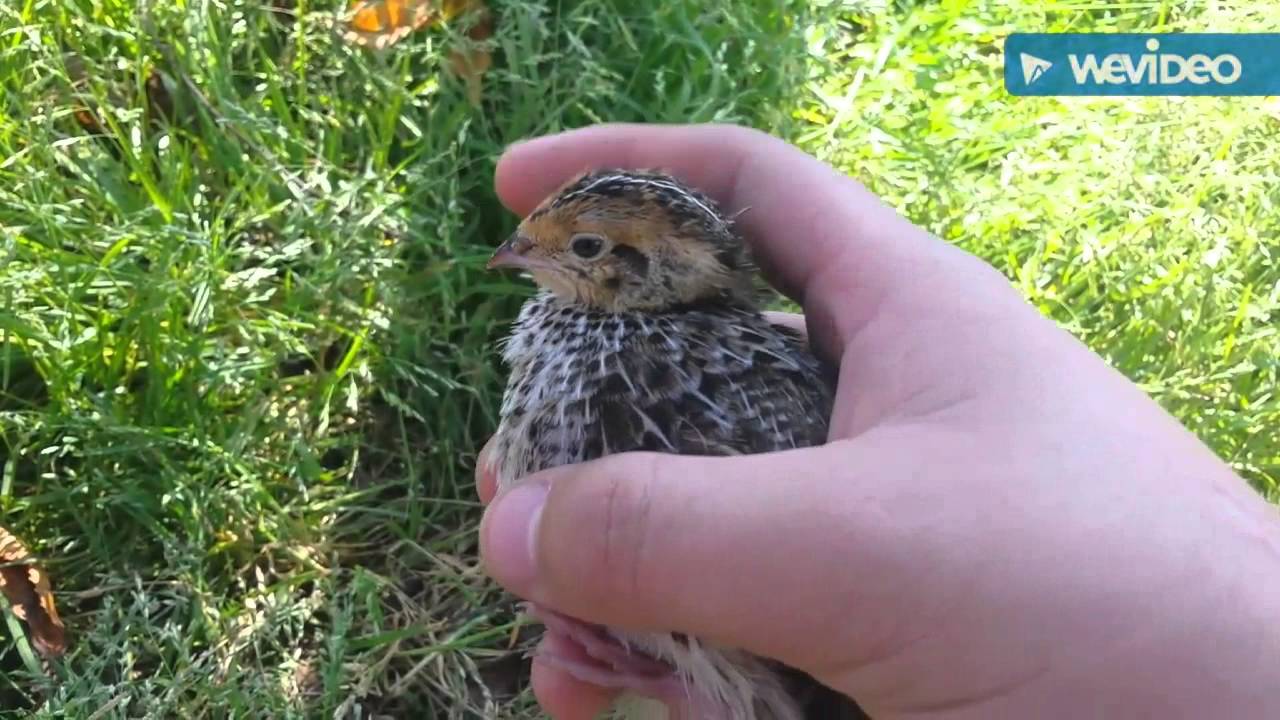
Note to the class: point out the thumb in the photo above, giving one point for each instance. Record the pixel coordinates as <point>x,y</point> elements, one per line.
<point>725,548</point>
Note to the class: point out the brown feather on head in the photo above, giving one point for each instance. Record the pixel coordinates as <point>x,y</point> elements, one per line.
<point>621,240</point>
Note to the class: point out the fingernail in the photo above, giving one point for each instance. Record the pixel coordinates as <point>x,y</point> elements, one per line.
<point>510,529</point>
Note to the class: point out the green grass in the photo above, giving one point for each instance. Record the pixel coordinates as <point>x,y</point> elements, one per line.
<point>1150,228</point>
<point>246,354</point>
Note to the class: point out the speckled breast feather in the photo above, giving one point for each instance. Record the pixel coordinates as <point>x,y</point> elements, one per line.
<point>711,379</point>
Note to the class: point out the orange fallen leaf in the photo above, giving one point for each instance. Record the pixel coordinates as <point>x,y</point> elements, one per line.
<point>379,24</point>
<point>27,588</point>
<point>382,23</point>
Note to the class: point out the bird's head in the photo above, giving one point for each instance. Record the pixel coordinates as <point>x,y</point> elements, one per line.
<point>621,240</point>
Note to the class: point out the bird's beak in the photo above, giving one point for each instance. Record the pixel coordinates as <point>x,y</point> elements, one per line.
<point>511,253</point>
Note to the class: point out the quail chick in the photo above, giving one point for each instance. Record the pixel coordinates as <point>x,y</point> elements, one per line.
<point>647,335</point>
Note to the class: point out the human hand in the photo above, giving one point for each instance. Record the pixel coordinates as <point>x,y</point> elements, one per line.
<point>1000,526</point>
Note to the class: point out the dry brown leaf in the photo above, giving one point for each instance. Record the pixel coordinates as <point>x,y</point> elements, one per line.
<point>85,117</point>
<point>89,122</point>
<point>472,62</point>
<point>27,588</point>
<point>283,11</point>
<point>159,100</point>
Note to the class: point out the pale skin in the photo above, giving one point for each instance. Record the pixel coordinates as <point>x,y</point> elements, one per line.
<point>1000,526</point>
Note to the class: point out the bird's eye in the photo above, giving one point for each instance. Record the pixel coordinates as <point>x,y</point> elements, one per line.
<point>586,246</point>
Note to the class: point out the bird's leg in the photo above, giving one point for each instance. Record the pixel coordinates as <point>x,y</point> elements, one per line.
<point>590,654</point>
<point>601,653</point>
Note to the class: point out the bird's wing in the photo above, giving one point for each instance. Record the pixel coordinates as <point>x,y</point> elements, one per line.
<point>712,387</point>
